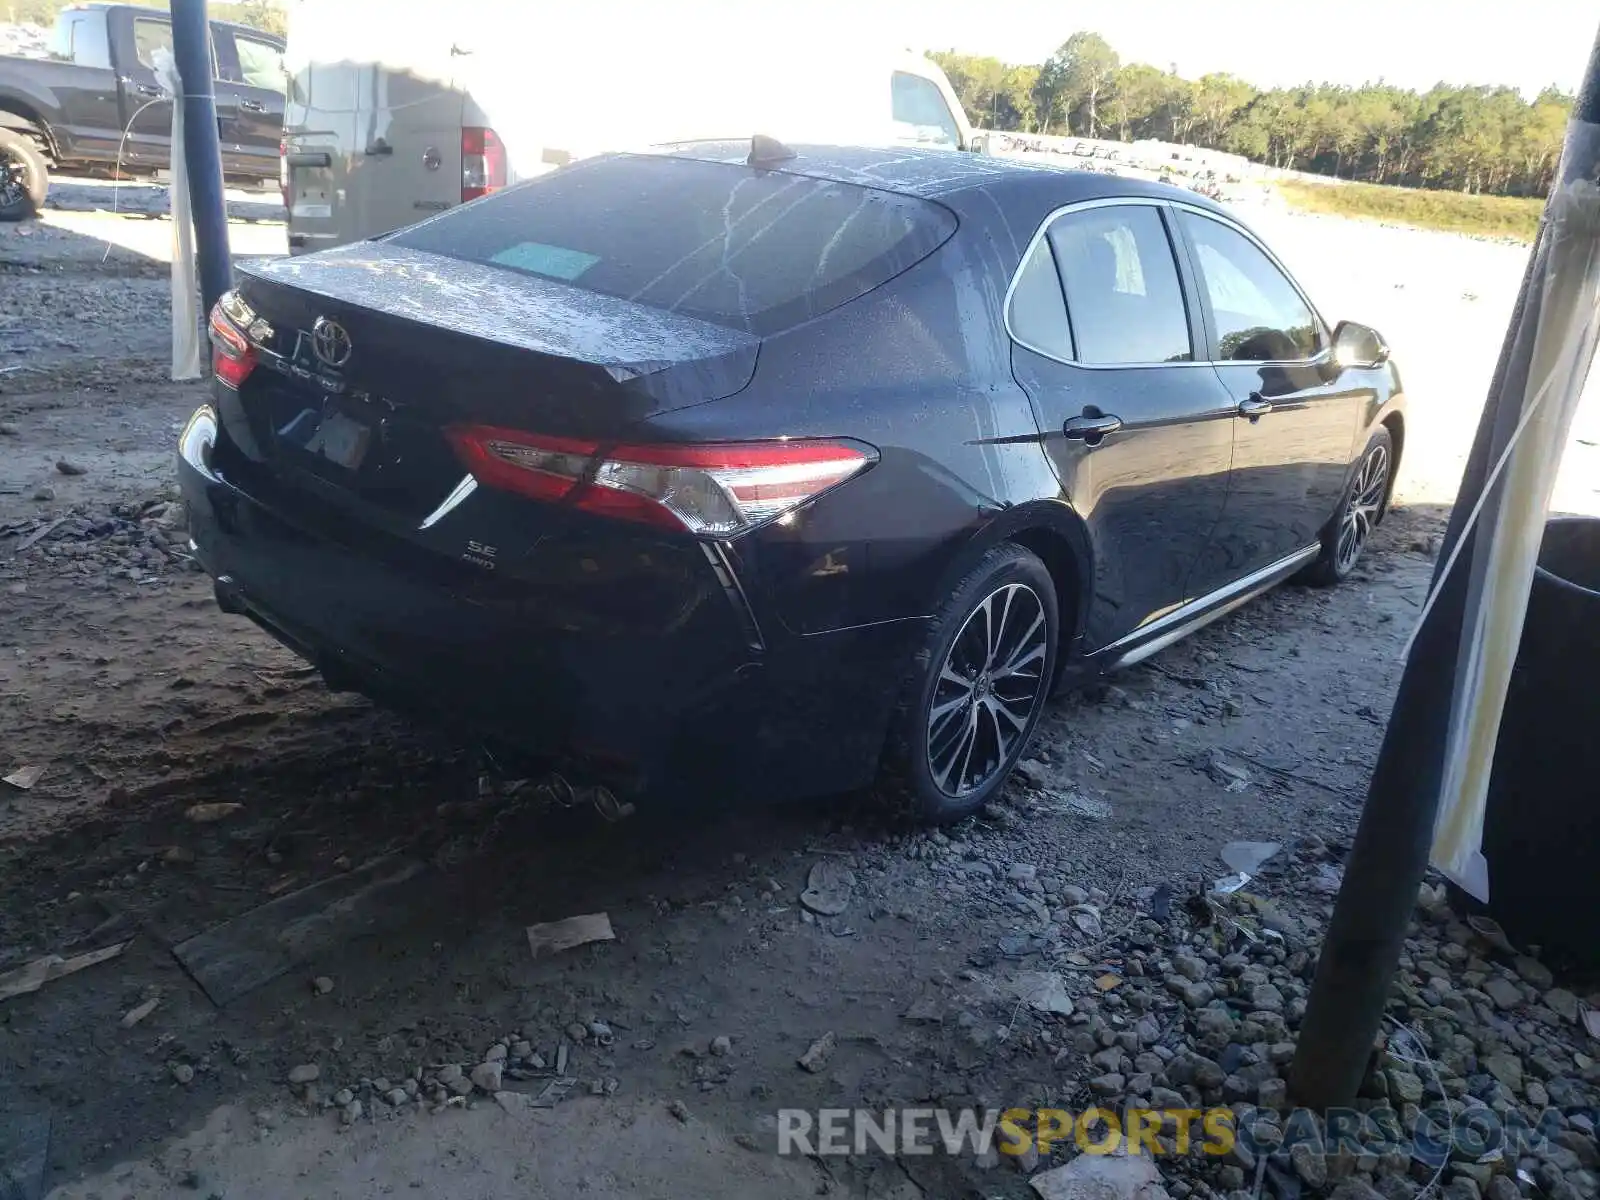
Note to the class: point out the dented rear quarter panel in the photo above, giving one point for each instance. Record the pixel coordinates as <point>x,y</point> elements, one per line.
<point>921,369</point>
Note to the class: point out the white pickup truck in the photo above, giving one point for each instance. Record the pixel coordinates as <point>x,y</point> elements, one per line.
<point>387,122</point>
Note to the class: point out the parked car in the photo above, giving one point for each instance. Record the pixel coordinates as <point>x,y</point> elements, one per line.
<point>389,122</point>
<point>94,105</point>
<point>742,466</point>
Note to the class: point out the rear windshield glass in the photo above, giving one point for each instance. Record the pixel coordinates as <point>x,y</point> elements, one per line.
<point>758,251</point>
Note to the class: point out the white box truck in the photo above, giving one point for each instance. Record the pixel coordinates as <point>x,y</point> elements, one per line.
<point>396,111</point>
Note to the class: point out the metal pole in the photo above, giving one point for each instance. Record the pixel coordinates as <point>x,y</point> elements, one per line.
<point>1390,854</point>
<point>191,48</point>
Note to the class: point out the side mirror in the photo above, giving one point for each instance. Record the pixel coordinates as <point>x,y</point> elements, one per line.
<point>1356,345</point>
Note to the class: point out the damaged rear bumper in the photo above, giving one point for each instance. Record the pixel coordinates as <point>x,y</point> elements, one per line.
<point>649,716</point>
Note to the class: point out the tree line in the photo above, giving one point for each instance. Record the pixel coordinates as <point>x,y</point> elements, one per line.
<point>258,14</point>
<point>1471,139</point>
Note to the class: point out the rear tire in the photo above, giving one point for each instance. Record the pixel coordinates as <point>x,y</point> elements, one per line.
<point>24,176</point>
<point>1365,503</point>
<point>976,688</point>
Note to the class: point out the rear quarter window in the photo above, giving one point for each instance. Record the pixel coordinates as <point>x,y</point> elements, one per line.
<point>757,251</point>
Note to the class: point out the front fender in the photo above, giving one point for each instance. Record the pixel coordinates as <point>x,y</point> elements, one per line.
<point>29,108</point>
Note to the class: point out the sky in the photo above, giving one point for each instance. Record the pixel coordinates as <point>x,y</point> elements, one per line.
<point>1414,43</point>
<point>1527,44</point>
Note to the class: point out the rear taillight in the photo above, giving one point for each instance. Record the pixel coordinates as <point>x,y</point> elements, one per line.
<point>546,469</point>
<point>232,356</point>
<point>483,162</point>
<point>712,490</point>
<point>283,169</point>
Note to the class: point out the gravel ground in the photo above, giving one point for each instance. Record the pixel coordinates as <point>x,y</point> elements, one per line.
<point>195,771</point>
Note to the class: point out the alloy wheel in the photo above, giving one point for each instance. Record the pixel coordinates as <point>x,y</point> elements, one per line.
<point>13,180</point>
<point>988,687</point>
<point>1363,508</point>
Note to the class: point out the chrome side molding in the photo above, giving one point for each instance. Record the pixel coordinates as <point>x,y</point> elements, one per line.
<point>1180,622</point>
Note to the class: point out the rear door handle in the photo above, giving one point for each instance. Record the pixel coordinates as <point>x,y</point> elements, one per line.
<point>147,89</point>
<point>253,106</point>
<point>1091,427</point>
<point>1254,405</point>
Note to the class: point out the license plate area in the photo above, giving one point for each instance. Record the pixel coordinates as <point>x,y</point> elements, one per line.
<point>367,447</point>
<point>341,440</point>
<point>328,435</point>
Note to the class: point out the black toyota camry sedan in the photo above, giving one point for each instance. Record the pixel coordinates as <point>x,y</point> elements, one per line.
<point>783,470</point>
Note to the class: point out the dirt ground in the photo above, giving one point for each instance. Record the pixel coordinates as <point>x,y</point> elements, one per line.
<point>140,700</point>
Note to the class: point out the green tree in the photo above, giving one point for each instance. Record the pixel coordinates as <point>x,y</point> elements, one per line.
<point>995,95</point>
<point>268,15</point>
<point>1020,86</point>
<point>1137,94</point>
<point>1079,73</point>
<point>978,83</point>
<point>1175,117</point>
<point>1049,92</point>
<point>1217,99</point>
<point>1478,139</point>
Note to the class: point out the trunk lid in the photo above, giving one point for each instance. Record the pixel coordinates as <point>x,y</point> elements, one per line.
<point>412,343</point>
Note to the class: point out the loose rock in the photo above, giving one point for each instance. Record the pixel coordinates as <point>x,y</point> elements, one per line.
<point>817,1054</point>
<point>1507,1068</point>
<point>1563,1003</point>
<point>1505,994</point>
<point>1101,1177</point>
<point>828,888</point>
<point>209,814</point>
<point>1044,991</point>
<point>1404,1087</point>
<point>1534,972</point>
<point>512,1102</point>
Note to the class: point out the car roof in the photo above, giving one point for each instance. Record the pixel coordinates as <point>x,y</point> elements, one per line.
<point>932,174</point>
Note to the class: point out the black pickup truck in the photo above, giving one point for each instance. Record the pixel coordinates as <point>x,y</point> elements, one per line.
<point>94,106</point>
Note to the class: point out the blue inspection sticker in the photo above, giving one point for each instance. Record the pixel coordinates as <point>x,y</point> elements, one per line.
<point>555,262</point>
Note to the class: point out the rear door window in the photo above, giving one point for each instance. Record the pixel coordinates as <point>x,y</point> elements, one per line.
<point>260,64</point>
<point>758,251</point>
<point>1122,286</point>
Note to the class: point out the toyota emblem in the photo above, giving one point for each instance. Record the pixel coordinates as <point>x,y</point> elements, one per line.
<point>330,343</point>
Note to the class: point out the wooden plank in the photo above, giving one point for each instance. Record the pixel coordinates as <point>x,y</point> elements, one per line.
<point>254,949</point>
<point>38,535</point>
<point>556,936</point>
<point>30,977</point>
<point>24,1150</point>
